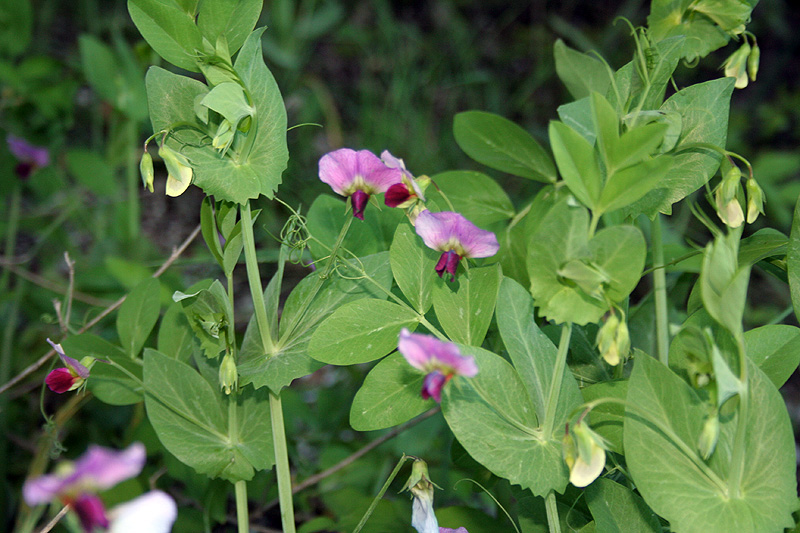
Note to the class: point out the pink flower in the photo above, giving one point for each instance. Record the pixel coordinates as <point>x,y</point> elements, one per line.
<point>456,237</point>
<point>438,359</point>
<point>75,484</point>
<point>30,157</point>
<point>66,379</point>
<point>357,175</point>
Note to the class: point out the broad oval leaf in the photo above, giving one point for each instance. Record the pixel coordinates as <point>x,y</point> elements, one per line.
<point>500,144</point>
<point>169,30</point>
<point>138,315</point>
<point>360,332</point>
<point>473,194</point>
<point>413,267</point>
<point>390,395</point>
<point>492,416</point>
<point>465,311</point>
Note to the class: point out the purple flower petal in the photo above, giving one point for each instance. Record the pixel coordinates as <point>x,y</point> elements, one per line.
<point>90,511</point>
<point>392,162</point>
<point>97,469</point>
<point>60,380</point>
<point>449,530</point>
<point>432,385</point>
<point>28,153</point>
<point>427,353</point>
<point>446,230</point>
<point>359,200</point>
<point>347,171</point>
<point>72,364</point>
<point>396,195</point>
<point>448,262</point>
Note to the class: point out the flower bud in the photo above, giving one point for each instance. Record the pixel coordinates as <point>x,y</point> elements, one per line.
<point>709,436</point>
<point>228,374</point>
<point>146,170</point>
<point>736,65</point>
<point>752,62</point>
<point>613,340</point>
<point>423,518</point>
<point>755,200</point>
<point>179,172</point>
<point>729,212</point>
<point>584,454</point>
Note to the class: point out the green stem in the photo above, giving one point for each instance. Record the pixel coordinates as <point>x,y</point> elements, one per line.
<point>552,512</point>
<point>242,516</point>
<point>740,440</point>
<point>276,408</point>
<point>555,385</point>
<point>381,493</point>
<point>660,290</point>
<point>132,179</point>
<point>593,223</point>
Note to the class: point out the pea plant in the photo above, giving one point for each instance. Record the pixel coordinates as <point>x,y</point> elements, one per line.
<point>566,347</point>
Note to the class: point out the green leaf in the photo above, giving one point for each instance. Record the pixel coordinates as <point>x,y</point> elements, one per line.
<point>766,242</point>
<point>227,177</point>
<point>228,100</point>
<point>389,396</point>
<point>636,92</point>
<point>502,145</point>
<point>580,73</point>
<point>360,332</point>
<point>628,185</point>
<point>473,194</point>
<point>775,349</point>
<point>193,421</point>
<point>793,260</point>
<point>170,31</point>
<point>578,116</point>
<point>669,18</point>
<point>325,220</point>
<point>209,313</point>
<point>704,110</point>
<point>175,337</point>
<point>617,509</point>
<point>171,98</point>
<point>465,311</point>
<point>108,383</point>
<point>413,267</point>
<point>115,75</point>
<point>532,353</point>
<point>16,30</point>
<point>723,284</point>
<point>92,171</point>
<point>300,318</point>
<point>492,416</point>
<point>231,19</point>
<point>208,228</point>
<point>138,315</point>
<point>576,162</point>
<point>670,481</point>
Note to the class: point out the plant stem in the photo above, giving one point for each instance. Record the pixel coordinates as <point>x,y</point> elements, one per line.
<point>276,409</point>
<point>242,518</point>
<point>660,290</point>
<point>555,385</point>
<point>552,512</point>
<point>740,440</point>
<point>381,493</point>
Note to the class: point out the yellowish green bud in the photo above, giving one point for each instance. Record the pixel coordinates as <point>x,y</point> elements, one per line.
<point>709,436</point>
<point>613,340</point>
<point>752,62</point>
<point>729,212</point>
<point>755,200</point>
<point>179,172</point>
<point>736,65</point>
<point>423,518</point>
<point>228,374</point>
<point>146,170</point>
<point>584,454</point>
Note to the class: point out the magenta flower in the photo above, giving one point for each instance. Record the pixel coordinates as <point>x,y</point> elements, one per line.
<point>456,237</point>
<point>69,378</point>
<point>76,484</point>
<point>357,175</point>
<point>450,530</point>
<point>438,359</point>
<point>30,157</point>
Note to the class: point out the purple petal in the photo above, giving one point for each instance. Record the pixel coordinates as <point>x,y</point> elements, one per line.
<point>72,364</point>
<point>338,169</point>
<point>396,195</point>
<point>448,530</point>
<point>26,152</point>
<point>91,512</point>
<point>42,489</point>
<point>432,385</point>
<point>377,176</point>
<point>359,200</point>
<point>102,468</point>
<point>392,162</point>
<point>427,353</point>
<point>60,380</point>
<point>447,230</point>
<point>448,262</point>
